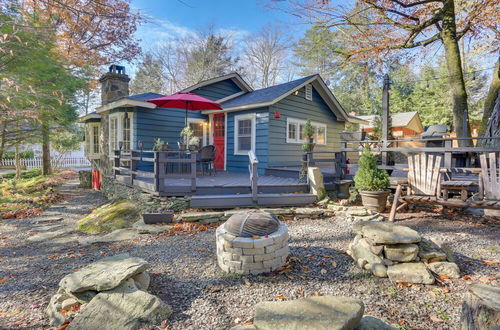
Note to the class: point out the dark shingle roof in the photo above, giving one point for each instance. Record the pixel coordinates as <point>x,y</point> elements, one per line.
<point>265,94</point>
<point>144,96</point>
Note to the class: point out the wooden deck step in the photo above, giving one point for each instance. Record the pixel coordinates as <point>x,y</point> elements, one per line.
<point>245,200</point>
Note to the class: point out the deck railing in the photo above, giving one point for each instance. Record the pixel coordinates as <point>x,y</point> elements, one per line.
<point>164,164</point>
<point>445,147</point>
<point>334,159</point>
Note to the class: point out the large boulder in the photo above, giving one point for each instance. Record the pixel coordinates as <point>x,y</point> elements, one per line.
<point>105,274</point>
<point>386,233</point>
<point>125,307</point>
<point>318,312</point>
<point>411,272</point>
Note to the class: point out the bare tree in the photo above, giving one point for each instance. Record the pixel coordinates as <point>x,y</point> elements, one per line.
<point>266,54</point>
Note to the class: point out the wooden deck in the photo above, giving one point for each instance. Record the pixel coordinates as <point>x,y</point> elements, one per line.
<point>225,183</point>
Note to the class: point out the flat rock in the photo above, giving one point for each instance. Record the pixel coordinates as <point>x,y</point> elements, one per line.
<point>411,272</point>
<point>279,211</point>
<point>115,236</point>
<point>373,323</point>
<point>401,252</point>
<point>360,249</point>
<point>143,228</point>
<point>105,274</point>
<point>197,216</point>
<point>49,235</point>
<point>308,212</point>
<point>48,219</point>
<point>489,295</point>
<point>430,250</point>
<point>124,307</point>
<point>317,312</point>
<point>387,233</point>
<point>447,268</point>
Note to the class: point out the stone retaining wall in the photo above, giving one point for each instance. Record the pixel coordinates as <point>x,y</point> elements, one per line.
<point>246,255</point>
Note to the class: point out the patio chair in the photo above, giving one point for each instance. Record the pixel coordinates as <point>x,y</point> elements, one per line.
<point>206,157</point>
<point>489,182</point>
<point>424,183</point>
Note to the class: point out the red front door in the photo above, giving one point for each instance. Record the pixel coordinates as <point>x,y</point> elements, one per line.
<point>219,130</point>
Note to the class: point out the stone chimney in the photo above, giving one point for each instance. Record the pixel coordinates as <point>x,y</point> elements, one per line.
<point>114,84</point>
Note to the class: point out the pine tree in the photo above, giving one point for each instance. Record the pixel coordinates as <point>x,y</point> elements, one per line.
<point>149,77</point>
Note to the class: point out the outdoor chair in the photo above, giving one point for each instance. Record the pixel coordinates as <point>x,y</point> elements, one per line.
<point>206,158</point>
<point>423,184</point>
<point>489,182</point>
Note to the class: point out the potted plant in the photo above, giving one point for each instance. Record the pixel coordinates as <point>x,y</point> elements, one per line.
<point>186,135</point>
<point>371,182</point>
<point>193,143</point>
<point>160,145</point>
<point>308,132</point>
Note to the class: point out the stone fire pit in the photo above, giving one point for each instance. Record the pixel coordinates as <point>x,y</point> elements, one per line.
<point>251,242</point>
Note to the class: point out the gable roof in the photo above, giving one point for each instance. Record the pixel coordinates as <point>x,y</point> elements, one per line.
<point>234,76</point>
<point>400,119</point>
<point>144,96</point>
<point>265,94</point>
<point>271,95</point>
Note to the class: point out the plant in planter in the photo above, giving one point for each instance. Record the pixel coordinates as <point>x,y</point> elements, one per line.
<point>160,145</point>
<point>186,134</point>
<point>193,143</point>
<point>371,182</point>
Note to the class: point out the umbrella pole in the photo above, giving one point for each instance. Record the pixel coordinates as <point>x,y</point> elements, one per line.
<point>186,117</point>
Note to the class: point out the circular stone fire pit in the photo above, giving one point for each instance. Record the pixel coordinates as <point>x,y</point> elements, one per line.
<point>251,242</point>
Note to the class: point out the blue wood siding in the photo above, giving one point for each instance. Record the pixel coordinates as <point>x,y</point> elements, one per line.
<point>239,163</point>
<point>162,123</point>
<point>282,153</point>
<point>218,90</point>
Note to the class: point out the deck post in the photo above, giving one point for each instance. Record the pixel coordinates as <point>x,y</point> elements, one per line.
<point>193,170</point>
<point>385,117</point>
<point>447,158</point>
<point>156,170</point>
<point>116,162</point>
<point>133,166</point>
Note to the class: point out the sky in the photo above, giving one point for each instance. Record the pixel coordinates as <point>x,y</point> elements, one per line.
<point>178,18</point>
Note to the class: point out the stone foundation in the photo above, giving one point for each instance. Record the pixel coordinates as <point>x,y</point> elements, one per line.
<point>246,255</point>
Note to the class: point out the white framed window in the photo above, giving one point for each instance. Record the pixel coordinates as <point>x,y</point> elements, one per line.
<point>92,139</point>
<point>199,127</point>
<point>244,134</point>
<point>120,130</point>
<point>309,92</point>
<point>295,131</point>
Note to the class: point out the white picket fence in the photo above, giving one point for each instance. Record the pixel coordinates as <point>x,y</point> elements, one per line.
<point>56,163</point>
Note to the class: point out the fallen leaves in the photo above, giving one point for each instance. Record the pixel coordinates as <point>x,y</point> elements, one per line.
<point>487,279</point>
<point>491,262</point>
<point>404,284</point>
<point>435,319</point>
<point>5,279</point>
<point>281,297</point>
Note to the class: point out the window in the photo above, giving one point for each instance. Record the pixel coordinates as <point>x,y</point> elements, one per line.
<point>244,136</point>
<point>309,93</point>
<point>126,132</point>
<point>199,128</point>
<point>87,141</point>
<point>95,139</point>
<point>295,131</point>
<point>120,130</point>
<point>113,134</point>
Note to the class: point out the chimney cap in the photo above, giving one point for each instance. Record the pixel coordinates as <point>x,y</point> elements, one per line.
<point>119,69</point>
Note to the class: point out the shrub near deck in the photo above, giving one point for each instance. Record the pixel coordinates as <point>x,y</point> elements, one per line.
<point>109,217</point>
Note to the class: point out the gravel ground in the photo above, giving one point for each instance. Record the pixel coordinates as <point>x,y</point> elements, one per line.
<point>185,274</point>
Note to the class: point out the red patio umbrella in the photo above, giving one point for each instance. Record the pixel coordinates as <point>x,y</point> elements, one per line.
<point>188,101</point>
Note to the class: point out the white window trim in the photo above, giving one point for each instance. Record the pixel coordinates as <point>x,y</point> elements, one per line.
<point>205,126</point>
<point>237,118</point>
<point>297,122</point>
<point>90,128</point>
<point>119,126</point>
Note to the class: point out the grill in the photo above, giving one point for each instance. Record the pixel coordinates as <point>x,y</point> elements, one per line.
<point>251,223</point>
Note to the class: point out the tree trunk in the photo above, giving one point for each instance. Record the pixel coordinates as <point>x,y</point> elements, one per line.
<point>481,308</point>
<point>455,73</point>
<point>489,103</point>
<point>46,168</point>
<point>4,135</point>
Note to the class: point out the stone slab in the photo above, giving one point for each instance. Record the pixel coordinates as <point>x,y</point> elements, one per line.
<point>411,272</point>
<point>387,233</point>
<point>318,312</point>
